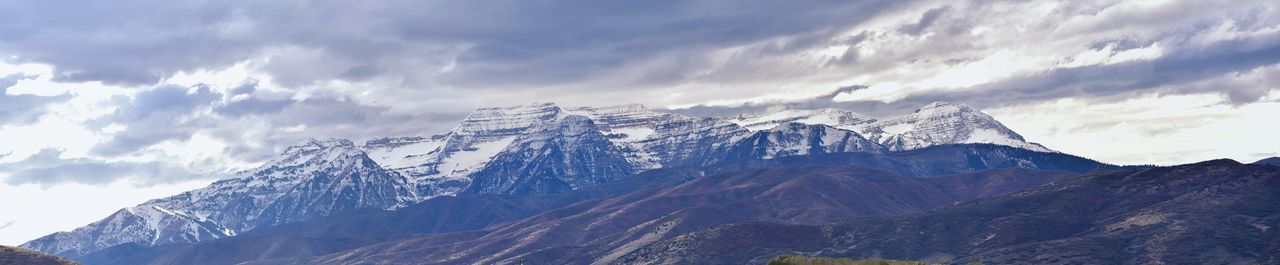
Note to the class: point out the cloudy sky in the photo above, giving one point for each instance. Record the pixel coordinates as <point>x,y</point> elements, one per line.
<point>105,104</point>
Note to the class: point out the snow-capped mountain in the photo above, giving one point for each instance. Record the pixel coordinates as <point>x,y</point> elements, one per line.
<point>792,139</point>
<point>143,224</point>
<point>838,118</point>
<point>682,140</point>
<point>938,123</point>
<point>440,165</point>
<point>309,180</point>
<point>561,156</point>
<point>532,149</point>
<point>626,126</point>
<point>944,123</point>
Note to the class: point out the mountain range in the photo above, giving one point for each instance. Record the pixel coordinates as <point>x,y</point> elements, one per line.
<point>548,184</point>
<point>534,149</point>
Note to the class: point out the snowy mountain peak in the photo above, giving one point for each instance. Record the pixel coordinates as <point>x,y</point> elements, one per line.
<point>309,180</point>
<point>311,145</point>
<point>794,138</point>
<point>943,108</point>
<point>152,225</point>
<point>530,149</point>
<point>622,108</point>
<point>626,124</point>
<point>620,116</point>
<point>507,120</point>
<point>944,104</point>
<point>839,118</point>
<point>313,151</point>
<point>383,142</point>
<point>942,123</point>
<point>556,157</point>
<point>531,107</point>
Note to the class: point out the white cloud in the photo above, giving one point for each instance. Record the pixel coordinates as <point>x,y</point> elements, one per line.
<point>22,141</point>
<point>1161,130</point>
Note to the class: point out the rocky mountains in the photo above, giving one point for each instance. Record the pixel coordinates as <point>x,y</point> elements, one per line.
<point>588,185</point>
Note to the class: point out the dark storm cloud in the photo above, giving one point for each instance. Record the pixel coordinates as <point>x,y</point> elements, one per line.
<point>47,168</point>
<point>21,109</point>
<point>501,42</point>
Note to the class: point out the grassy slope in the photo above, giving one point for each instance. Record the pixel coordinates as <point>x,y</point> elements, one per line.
<point>13,255</point>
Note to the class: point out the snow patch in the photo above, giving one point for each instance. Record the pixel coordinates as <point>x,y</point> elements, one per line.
<point>471,159</point>
<point>633,134</point>
<point>404,156</point>
<point>987,136</point>
<point>897,129</point>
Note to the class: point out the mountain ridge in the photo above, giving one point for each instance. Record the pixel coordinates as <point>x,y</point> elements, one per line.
<point>608,223</point>
<point>539,148</point>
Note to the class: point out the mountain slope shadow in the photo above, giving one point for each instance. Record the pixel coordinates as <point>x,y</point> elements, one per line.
<point>13,255</point>
<point>1218,212</point>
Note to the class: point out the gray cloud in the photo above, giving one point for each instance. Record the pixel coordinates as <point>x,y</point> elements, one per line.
<point>1098,82</point>
<point>425,63</point>
<point>173,113</point>
<point>154,116</point>
<point>1186,67</point>
<point>254,104</point>
<point>1122,80</point>
<point>324,117</point>
<point>47,168</point>
<point>21,109</point>
<point>489,43</point>
<point>466,45</point>
<point>872,108</point>
<point>926,20</point>
<point>135,42</point>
